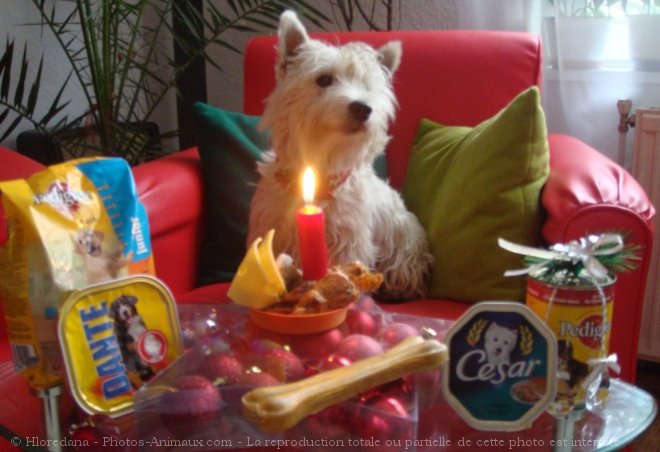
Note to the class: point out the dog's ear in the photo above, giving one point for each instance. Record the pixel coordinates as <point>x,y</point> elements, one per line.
<point>291,35</point>
<point>130,299</point>
<point>390,55</point>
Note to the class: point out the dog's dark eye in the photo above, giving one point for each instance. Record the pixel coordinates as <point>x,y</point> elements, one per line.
<point>324,80</point>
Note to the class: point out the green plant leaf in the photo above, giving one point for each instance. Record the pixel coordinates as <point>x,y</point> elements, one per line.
<point>34,90</point>
<point>5,69</point>
<point>11,128</point>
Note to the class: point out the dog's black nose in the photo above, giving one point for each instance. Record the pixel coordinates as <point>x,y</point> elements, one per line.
<point>359,111</point>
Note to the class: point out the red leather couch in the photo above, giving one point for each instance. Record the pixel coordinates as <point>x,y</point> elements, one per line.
<point>454,77</point>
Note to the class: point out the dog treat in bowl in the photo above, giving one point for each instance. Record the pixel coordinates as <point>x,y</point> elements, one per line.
<point>282,301</point>
<point>276,285</point>
<point>315,306</point>
<point>341,286</point>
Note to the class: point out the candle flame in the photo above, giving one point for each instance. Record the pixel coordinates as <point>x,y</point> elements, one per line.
<point>308,185</point>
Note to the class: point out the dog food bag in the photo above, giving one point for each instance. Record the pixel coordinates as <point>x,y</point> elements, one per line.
<point>70,226</point>
<point>115,337</point>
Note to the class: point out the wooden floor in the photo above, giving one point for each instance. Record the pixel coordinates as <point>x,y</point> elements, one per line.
<point>648,378</point>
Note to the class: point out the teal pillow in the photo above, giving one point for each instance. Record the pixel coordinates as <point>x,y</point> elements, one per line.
<point>230,145</point>
<point>470,186</point>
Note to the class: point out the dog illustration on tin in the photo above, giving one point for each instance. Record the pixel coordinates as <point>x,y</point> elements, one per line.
<point>129,327</point>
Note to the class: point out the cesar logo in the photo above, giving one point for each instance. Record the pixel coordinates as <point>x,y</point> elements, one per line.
<point>502,366</point>
<point>493,363</point>
<point>60,197</point>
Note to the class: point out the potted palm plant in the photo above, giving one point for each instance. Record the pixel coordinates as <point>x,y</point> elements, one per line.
<point>116,56</point>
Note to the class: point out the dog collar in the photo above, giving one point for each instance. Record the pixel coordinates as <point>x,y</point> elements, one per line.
<point>289,180</point>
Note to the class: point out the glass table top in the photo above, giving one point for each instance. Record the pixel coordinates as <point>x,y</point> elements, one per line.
<point>627,414</point>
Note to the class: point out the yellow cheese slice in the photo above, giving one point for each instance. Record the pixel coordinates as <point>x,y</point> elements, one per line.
<point>257,283</point>
<point>269,266</point>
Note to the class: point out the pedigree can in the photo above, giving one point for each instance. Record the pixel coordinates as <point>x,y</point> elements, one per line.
<point>581,318</point>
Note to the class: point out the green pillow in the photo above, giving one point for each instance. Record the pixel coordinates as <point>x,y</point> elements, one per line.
<point>230,145</point>
<point>470,186</point>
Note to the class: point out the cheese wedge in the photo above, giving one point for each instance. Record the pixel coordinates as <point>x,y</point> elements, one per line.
<point>258,282</point>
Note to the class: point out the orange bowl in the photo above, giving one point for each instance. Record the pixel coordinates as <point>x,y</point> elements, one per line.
<point>298,323</point>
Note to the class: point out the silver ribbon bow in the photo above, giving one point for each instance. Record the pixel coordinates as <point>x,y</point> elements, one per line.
<point>598,367</point>
<point>584,250</point>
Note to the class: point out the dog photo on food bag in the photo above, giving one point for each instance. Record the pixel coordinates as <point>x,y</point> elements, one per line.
<point>100,265</point>
<point>330,110</point>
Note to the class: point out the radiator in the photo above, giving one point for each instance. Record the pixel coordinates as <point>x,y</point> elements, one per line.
<point>646,169</point>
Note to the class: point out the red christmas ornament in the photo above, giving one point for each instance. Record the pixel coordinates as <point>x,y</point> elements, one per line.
<point>396,332</point>
<point>331,423</point>
<point>386,419</point>
<point>191,406</point>
<point>222,368</point>
<point>282,364</point>
<point>316,346</point>
<point>97,433</point>
<point>360,322</point>
<point>358,346</point>
<point>427,385</point>
<point>88,439</point>
<point>262,346</point>
<point>257,379</point>
<point>246,382</point>
<point>334,361</point>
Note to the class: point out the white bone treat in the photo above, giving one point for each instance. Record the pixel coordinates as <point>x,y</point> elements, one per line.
<point>279,408</point>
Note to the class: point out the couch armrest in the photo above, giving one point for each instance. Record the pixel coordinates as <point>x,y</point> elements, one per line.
<point>172,192</point>
<point>589,193</point>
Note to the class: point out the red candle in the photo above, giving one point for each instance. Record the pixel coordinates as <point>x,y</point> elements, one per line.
<point>311,232</point>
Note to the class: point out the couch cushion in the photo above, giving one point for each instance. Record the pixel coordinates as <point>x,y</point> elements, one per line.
<point>229,146</point>
<point>469,186</point>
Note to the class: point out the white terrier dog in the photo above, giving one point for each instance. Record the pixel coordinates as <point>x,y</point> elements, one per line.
<point>330,110</point>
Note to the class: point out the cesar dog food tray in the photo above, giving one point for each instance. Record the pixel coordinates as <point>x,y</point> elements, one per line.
<point>115,337</point>
<point>70,226</point>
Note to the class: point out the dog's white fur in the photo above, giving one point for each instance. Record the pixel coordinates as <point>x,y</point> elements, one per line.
<point>311,124</point>
<point>499,342</point>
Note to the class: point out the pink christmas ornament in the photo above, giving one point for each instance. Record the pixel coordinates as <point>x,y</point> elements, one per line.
<point>396,332</point>
<point>358,346</point>
<point>191,405</point>
<point>222,368</point>
<point>282,364</point>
